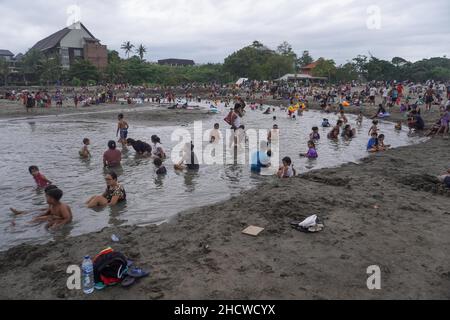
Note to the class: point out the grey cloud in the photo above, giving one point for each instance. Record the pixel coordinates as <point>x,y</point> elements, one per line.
<point>209,30</point>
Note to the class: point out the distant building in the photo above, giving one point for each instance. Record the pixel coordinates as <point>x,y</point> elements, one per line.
<point>176,62</point>
<point>6,55</point>
<point>12,61</point>
<point>308,69</point>
<point>74,42</point>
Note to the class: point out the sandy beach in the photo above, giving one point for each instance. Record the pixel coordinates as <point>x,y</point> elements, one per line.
<point>158,114</point>
<point>389,211</point>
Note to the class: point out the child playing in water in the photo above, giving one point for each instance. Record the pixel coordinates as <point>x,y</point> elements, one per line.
<point>122,128</point>
<point>312,153</point>
<point>215,136</point>
<point>287,169</point>
<point>374,128</point>
<point>40,179</point>
<point>160,168</point>
<point>381,145</point>
<point>84,152</point>
<point>359,120</point>
<point>326,123</point>
<point>343,117</point>
<point>314,135</point>
<point>334,134</point>
<point>57,214</point>
<point>372,145</point>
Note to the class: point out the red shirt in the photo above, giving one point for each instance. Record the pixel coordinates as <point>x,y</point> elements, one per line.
<point>112,157</point>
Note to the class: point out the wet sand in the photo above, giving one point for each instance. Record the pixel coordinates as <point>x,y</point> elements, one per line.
<point>159,115</point>
<point>389,211</point>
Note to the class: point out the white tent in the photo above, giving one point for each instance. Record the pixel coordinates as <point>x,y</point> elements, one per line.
<point>299,76</point>
<point>241,81</point>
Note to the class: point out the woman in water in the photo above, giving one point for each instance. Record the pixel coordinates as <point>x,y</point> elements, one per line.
<point>348,132</point>
<point>158,150</point>
<point>334,134</point>
<point>112,157</point>
<point>113,194</point>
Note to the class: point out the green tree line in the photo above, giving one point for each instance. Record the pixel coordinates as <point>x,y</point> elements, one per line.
<point>255,61</point>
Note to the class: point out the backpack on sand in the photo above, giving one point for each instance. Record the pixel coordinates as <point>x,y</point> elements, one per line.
<point>110,267</point>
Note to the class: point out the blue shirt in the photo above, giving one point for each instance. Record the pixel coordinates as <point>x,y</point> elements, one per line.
<point>372,143</point>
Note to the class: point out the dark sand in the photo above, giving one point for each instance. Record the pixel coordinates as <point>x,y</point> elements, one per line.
<point>158,116</point>
<point>389,211</point>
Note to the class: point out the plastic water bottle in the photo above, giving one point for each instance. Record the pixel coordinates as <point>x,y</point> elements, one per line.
<point>87,269</point>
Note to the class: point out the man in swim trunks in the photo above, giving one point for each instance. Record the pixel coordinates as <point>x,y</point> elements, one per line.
<point>122,128</point>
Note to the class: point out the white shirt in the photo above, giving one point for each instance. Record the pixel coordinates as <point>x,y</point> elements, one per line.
<point>155,148</point>
<point>237,122</point>
<point>216,134</point>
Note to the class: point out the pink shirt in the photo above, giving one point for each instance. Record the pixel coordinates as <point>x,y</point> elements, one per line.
<point>40,181</point>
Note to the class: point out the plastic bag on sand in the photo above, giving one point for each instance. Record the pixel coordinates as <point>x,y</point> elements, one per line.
<point>309,222</point>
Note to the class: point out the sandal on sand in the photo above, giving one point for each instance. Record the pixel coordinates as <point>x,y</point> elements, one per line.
<point>128,282</point>
<point>137,273</point>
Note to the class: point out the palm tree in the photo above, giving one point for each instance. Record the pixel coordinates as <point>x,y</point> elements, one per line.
<point>141,51</point>
<point>128,47</point>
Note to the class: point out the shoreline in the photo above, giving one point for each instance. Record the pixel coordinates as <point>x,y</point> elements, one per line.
<point>201,253</point>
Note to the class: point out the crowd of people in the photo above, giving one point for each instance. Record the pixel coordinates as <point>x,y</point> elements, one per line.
<point>410,99</point>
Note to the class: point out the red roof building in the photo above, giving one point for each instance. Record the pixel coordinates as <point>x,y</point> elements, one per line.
<point>309,68</point>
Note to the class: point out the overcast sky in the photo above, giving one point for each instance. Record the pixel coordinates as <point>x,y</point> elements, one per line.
<point>210,30</point>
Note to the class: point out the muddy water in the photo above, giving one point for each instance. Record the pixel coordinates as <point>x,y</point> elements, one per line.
<point>53,144</point>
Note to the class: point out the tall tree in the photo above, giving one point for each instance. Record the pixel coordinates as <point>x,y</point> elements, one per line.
<point>285,48</point>
<point>325,68</point>
<point>83,70</point>
<point>50,69</point>
<point>29,65</point>
<point>127,47</point>
<point>398,61</point>
<point>305,59</point>
<point>141,51</point>
<point>361,65</point>
<point>257,44</point>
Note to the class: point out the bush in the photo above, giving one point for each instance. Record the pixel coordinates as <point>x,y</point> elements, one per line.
<point>76,82</point>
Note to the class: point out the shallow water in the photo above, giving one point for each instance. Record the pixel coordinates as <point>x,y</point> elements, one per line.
<point>53,144</point>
